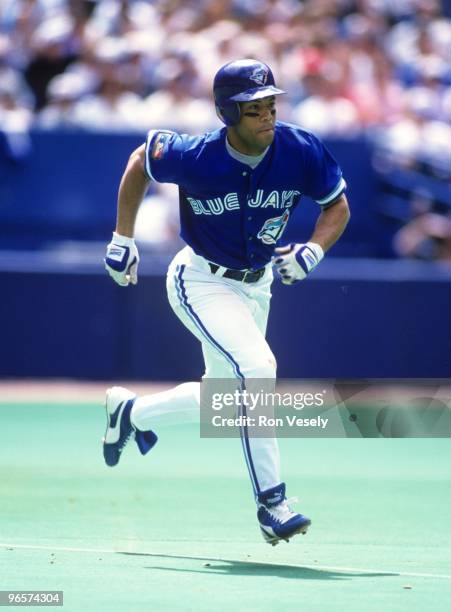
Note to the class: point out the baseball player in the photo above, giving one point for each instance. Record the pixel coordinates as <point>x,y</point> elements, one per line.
<point>238,187</point>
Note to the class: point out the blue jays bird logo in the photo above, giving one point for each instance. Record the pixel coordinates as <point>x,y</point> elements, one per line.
<point>259,75</point>
<point>273,228</point>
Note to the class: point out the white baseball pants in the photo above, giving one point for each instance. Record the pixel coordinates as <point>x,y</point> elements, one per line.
<point>229,318</point>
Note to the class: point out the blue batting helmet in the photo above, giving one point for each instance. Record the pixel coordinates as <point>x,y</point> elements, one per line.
<point>241,81</point>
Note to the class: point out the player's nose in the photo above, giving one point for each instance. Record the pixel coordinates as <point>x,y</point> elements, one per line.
<point>267,118</point>
<point>266,114</point>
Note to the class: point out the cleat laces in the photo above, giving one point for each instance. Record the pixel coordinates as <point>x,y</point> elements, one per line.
<point>282,512</point>
<point>126,440</point>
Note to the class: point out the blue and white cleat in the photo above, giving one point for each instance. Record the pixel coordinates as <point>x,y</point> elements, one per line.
<point>277,520</point>
<point>119,428</point>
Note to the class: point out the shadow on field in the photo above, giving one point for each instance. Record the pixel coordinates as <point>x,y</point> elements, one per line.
<point>232,567</point>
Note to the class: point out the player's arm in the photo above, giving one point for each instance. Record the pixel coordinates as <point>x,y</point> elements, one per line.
<point>294,261</point>
<point>132,189</point>
<point>122,258</point>
<point>331,223</point>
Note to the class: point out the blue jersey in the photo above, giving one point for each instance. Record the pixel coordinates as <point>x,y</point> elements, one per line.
<point>234,215</point>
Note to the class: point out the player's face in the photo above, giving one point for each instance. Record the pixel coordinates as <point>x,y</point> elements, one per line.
<point>255,131</point>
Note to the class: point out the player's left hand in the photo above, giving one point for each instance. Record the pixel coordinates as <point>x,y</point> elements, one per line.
<point>121,261</point>
<point>294,261</point>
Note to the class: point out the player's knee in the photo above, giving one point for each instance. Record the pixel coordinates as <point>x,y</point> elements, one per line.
<point>264,367</point>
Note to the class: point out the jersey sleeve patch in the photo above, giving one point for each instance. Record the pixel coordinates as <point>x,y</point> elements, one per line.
<point>156,148</point>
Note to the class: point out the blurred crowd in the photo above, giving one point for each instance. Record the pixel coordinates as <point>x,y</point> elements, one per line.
<point>347,65</point>
<point>377,68</point>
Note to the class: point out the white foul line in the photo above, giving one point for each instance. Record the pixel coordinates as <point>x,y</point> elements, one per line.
<point>153,554</point>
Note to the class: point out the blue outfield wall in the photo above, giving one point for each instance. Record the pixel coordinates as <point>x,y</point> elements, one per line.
<point>349,319</point>
<point>64,187</point>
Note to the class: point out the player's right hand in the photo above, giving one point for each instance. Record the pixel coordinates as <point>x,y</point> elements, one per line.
<point>122,259</point>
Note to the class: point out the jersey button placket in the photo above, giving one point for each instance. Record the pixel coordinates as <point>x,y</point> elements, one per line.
<point>250,239</point>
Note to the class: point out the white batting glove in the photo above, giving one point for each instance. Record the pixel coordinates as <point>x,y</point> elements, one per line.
<point>122,259</point>
<point>294,261</point>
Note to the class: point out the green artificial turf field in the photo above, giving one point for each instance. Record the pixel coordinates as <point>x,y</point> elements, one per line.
<point>176,530</point>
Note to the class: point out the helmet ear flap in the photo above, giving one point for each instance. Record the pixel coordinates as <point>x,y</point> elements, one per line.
<point>229,113</point>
